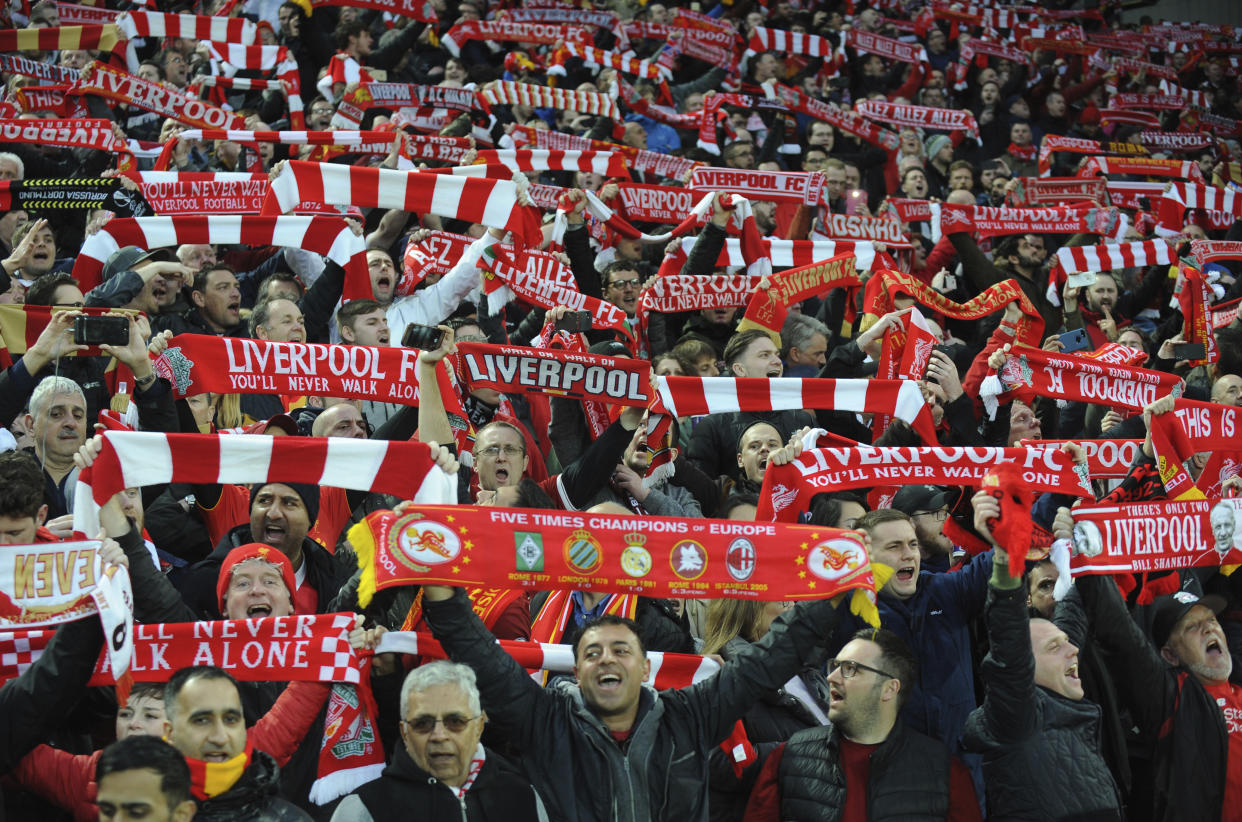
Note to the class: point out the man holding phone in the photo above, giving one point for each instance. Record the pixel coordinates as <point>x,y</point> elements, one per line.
<point>1105,310</point>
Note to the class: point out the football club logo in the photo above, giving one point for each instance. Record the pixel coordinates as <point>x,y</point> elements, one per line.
<point>1015,372</point>
<point>741,559</point>
<point>422,543</point>
<point>689,559</point>
<point>635,559</point>
<point>175,367</point>
<point>529,549</point>
<point>583,553</point>
<point>835,559</point>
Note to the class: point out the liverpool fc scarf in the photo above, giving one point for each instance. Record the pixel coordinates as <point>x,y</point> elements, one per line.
<point>122,87</point>
<point>886,47</point>
<point>71,38</point>
<point>1156,535</point>
<point>89,133</point>
<point>354,105</point>
<point>614,380</point>
<point>802,187</point>
<point>787,489</point>
<point>1176,140</point>
<point>1105,257</point>
<point>550,625</point>
<point>136,459</point>
<point>593,57</point>
<point>768,307</point>
<point>1181,196</point>
<point>493,203</point>
<point>188,27</point>
<point>508,31</point>
<point>12,64</point>
<point>1032,372</point>
<point>420,10</point>
<point>1194,297</point>
<point>987,221</point>
<point>1077,145</point>
<point>1193,427</point>
<point>938,119</point>
<point>1148,166</point>
<point>1205,251</point>
<point>1106,459</point>
<point>607,553</point>
<point>228,58</point>
<point>1033,191</point>
<point>198,363</point>
<point>847,121</point>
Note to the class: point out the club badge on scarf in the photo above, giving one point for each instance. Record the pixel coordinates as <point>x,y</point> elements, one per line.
<point>1159,535</point>
<point>768,307</point>
<point>1032,372</point>
<point>663,557</point>
<point>1192,427</point>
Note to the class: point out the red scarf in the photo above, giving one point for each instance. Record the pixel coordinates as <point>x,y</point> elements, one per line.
<point>987,221</point>
<point>612,380</point>
<point>1027,153</point>
<point>1194,297</point>
<point>1191,428</point>
<point>900,114</point>
<point>1155,535</point>
<point>122,87</point>
<point>768,308</point>
<point>508,93</point>
<point>788,489</point>
<point>1032,372</point>
<point>606,553</point>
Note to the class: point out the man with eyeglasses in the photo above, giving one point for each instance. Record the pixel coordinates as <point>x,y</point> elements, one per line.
<point>928,508</point>
<point>622,283</point>
<point>864,764</point>
<point>932,613</point>
<point>442,768</point>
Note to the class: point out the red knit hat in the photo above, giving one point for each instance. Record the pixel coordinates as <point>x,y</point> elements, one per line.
<point>254,550</point>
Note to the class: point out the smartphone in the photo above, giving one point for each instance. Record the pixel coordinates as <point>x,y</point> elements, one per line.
<point>1075,340</point>
<point>426,337</point>
<point>853,199</point>
<point>109,329</point>
<point>574,321</point>
<point>950,282</point>
<point>1189,351</point>
<point>1082,279</point>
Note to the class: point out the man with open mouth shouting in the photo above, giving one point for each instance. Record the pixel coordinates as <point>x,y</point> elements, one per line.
<point>1034,713</point>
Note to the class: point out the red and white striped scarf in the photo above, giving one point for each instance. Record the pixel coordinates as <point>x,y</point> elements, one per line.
<point>592,57</point>
<point>102,38</point>
<point>508,93</point>
<point>1129,117</point>
<point>900,114</point>
<point>668,670</point>
<point>1182,196</point>
<point>687,396</point>
<point>1205,251</point>
<point>978,47</point>
<point>493,203</point>
<point>1106,257</point>
<point>329,236</point>
<point>362,142</point>
<point>420,10</point>
<point>188,26</point>
<point>807,45</point>
<point>605,163</point>
<point>783,253</point>
<point>345,69</point>
<point>133,459</point>
<point>227,58</point>
<point>638,104</point>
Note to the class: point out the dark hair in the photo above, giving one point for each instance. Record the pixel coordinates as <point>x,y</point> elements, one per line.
<point>282,277</point>
<point>200,277</point>
<point>896,659</point>
<point>344,31</point>
<point>613,267</point>
<point>738,343</point>
<point>1008,247</point>
<point>145,690</point>
<point>826,508</point>
<point>605,620</point>
<point>879,516</point>
<point>153,64</point>
<point>530,495</point>
<point>43,288</point>
<point>181,678</point>
<point>354,309</point>
<point>148,753</point>
<point>21,485</point>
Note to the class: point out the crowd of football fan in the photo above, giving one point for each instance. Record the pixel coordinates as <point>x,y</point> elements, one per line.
<point>981,697</point>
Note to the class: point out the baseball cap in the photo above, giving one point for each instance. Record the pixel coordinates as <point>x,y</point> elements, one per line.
<point>125,258</point>
<point>284,422</point>
<point>913,498</point>
<point>1168,610</point>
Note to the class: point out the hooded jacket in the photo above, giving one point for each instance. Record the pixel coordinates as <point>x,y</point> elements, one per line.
<point>253,798</point>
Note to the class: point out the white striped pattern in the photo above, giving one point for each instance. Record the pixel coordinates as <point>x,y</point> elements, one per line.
<point>542,159</point>
<point>188,26</point>
<point>809,45</point>
<point>585,102</point>
<point>292,138</point>
<point>783,252</point>
<point>1112,256</point>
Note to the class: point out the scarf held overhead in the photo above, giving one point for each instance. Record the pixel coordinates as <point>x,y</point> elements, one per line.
<point>617,380</point>
<point>1158,535</point>
<point>654,557</point>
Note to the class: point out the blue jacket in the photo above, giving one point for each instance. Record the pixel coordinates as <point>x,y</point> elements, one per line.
<point>935,623</point>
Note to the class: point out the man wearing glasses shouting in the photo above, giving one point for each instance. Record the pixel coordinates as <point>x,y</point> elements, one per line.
<point>442,768</point>
<point>865,764</point>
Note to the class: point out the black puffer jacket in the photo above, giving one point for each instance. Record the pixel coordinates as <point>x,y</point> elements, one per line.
<point>661,775</point>
<point>659,627</point>
<point>1032,738</point>
<point>253,798</point>
<point>499,794</point>
<point>777,716</point>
